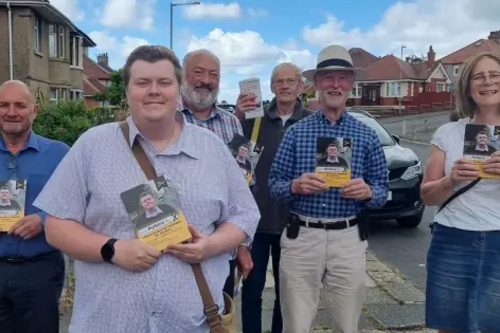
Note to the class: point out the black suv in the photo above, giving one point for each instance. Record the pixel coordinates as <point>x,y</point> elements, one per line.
<point>405,176</point>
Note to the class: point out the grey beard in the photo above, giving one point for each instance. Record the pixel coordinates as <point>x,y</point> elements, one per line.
<point>192,97</point>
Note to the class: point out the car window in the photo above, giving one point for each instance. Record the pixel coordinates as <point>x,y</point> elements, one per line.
<point>385,138</point>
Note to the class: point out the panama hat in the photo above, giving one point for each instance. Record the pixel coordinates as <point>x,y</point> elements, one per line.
<point>333,57</point>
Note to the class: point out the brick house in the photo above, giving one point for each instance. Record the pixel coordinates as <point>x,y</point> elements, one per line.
<point>43,48</point>
<point>422,81</point>
<point>453,62</point>
<point>96,78</point>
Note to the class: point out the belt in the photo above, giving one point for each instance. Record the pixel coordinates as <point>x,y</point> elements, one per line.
<point>21,260</point>
<point>327,224</point>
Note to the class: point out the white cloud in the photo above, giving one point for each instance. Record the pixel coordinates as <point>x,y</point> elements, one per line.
<point>69,8</point>
<point>256,13</point>
<point>117,50</point>
<point>128,13</point>
<point>212,10</point>
<point>238,51</point>
<point>130,43</point>
<point>103,40</point>
<point>416,24</point>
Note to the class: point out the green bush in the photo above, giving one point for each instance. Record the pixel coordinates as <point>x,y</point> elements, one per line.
<point>66,120</point>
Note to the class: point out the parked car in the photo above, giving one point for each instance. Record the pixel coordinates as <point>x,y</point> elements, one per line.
<point>405,176</point>
<point>229,107</point>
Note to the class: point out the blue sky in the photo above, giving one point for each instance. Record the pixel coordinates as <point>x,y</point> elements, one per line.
<point>252,36</point>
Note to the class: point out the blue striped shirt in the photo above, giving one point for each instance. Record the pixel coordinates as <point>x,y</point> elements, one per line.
<point>297,155</point>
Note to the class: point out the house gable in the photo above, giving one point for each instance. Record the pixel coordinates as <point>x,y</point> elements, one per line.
<point>439,73</point>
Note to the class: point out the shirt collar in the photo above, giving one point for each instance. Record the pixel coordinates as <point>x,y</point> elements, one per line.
<point>185,143</point>
<point>296,114</point>
<point>31,143</point>
<point>341,121</point>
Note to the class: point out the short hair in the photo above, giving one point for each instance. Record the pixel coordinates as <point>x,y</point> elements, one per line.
<point>278,67</point>
<point>151,54</point>
<point>334,144</point>
<point>482,132</point>
<point>246,145</point>
<point>465,104</point>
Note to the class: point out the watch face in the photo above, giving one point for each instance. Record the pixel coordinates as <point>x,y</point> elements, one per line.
<point>107,251</point>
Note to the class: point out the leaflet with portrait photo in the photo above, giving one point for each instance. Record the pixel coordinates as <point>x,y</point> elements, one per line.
<point>155,211</point>
<point>247,154</point>
<point>252,87</point>
<point>12,202</point>
<point>480,142</point>
<point>333,160</point>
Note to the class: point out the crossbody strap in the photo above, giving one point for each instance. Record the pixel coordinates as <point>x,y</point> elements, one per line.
<point>210,309</point>
<point>458,193</point>
<point>256,129</point>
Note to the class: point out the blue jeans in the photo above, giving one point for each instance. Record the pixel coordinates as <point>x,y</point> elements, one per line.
<point>463,280</point>
<point>253,286</point>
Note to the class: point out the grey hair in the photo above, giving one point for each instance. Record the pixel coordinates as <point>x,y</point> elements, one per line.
<point>201,51</point>
<point>277,68</point>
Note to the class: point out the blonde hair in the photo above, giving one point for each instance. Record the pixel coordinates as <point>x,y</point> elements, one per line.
<point>466,106</point>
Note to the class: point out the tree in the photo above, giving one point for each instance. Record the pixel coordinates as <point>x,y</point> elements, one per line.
<point>115,94</point>
<point>66,120</point>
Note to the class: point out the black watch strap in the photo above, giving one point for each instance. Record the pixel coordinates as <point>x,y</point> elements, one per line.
<point>108,250</point>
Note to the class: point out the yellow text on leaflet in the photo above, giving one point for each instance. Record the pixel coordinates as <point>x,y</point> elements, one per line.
<point>8,220</point>
<point>167,234</point>
<point>482,174</point>
<point>335,178</point>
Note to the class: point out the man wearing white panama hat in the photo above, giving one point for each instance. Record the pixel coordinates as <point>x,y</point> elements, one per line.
<point>323,247</point>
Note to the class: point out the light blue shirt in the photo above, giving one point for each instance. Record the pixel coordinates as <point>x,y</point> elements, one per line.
<point>86,188</point>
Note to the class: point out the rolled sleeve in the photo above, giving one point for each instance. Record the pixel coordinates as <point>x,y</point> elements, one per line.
<point>376,173</point>
<point>242,209</point>
<point>282,169</point>
<point>65,194</point>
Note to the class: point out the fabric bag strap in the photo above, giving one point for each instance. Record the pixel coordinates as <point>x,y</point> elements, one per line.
<point>256,129</point>
<point>458,193</point>
<point>210,309</point>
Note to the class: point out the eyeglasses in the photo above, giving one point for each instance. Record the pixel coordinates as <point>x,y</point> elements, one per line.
<point>11,163</point>
<point>289,82</point>
<point>480,79</point>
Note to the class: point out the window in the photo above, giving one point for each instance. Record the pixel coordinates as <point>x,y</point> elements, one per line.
<point>52,41</point>
<point>76,52</point>
<point>440,87</point>
<point>36,33</point>
<point>395,88</point>
<point>456,70</point>
<point>75,94</point>
<point>62,44</point>
<point>53,94</point>
<point>62,94</point>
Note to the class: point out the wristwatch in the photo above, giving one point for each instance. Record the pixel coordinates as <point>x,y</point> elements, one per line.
<point>108,250</point>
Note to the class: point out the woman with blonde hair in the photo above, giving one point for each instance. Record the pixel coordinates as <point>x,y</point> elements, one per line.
<point>463,262</point>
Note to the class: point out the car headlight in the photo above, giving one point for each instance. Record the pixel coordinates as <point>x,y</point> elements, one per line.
<point>412,172</point>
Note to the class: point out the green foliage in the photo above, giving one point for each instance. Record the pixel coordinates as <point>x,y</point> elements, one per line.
<point>115,95</point>
<point>66,120</point>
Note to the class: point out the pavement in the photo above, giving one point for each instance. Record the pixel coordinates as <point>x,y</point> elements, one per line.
<point>392,302</point>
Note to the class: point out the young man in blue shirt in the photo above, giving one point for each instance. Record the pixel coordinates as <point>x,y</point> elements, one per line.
<point>32,271</point>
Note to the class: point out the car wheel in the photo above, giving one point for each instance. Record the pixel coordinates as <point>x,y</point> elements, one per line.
<point>411,221</point>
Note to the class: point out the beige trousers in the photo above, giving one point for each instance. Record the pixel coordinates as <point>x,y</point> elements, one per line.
<point>332,260</point>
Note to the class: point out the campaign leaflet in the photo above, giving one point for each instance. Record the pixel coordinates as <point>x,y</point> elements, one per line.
<point>247,154</point>
<point>155,211</point>
<point>480,142</point>
<point>12,202</point>
<point>252,87</point>
<point>333,160</point>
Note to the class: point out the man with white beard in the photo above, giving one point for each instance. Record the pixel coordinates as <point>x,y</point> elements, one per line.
<point>199,91</point>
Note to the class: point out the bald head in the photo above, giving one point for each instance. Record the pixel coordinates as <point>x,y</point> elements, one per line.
<point>17,109</point>
<point>195,55</point>
<point>17,85</point>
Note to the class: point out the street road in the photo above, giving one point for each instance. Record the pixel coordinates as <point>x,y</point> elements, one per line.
<point>405,249</point>
<point>415,122</point>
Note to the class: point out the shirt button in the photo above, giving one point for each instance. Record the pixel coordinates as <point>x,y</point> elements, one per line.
<point>324,205</point>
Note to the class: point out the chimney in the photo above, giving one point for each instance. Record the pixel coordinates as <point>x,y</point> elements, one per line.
<point>495,35</point>
<point>102,59</point>
<point>431,56</point>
